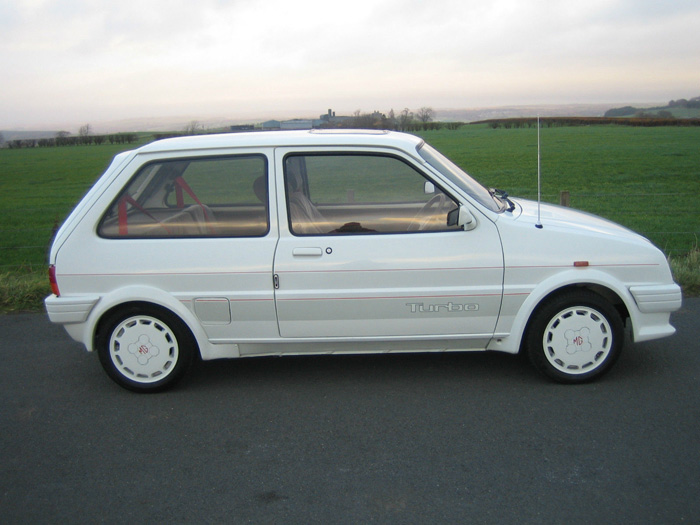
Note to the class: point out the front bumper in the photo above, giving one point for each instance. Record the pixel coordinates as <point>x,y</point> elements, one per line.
<point>653,299</point>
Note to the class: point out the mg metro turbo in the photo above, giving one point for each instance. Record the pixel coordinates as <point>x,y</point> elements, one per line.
<point>321,242</point>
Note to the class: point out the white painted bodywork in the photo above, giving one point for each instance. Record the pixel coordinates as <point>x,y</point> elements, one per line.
<point>455,290</point>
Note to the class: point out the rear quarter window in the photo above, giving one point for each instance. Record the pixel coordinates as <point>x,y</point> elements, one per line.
<point>200,197</point>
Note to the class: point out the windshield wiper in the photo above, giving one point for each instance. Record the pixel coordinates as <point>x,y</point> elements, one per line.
<point>503,195</point>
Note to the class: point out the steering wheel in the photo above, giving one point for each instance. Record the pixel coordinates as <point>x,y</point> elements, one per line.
<point>429,214</point>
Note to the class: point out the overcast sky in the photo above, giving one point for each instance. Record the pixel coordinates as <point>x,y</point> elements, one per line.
<point>66,62</point>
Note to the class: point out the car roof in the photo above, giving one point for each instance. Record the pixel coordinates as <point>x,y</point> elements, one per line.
<point>314,137</point>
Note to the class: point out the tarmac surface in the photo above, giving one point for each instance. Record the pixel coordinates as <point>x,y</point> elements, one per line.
<point>468,438</point>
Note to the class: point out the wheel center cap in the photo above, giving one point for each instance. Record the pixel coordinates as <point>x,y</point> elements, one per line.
<point>577,340</point>
<point>143,349</point>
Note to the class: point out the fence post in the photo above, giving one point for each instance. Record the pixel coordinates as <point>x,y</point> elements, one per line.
<point>564,198</point>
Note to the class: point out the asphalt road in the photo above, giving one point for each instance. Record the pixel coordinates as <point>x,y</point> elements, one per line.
<point>456,438</point>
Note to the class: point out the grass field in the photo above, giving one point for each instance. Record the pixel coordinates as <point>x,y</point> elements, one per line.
<point>38,188</point>
<point>645,178</point>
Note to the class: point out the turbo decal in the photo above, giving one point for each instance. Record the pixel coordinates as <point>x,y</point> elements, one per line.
<point>419,308</point>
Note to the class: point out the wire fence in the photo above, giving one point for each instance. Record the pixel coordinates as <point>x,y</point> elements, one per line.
<point>668,220</point>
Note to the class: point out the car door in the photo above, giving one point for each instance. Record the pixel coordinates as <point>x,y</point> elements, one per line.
<point>365,251</point>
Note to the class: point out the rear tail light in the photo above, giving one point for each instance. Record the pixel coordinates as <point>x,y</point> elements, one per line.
<point>52,280</point>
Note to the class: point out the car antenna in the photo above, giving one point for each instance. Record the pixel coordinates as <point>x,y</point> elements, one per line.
<point>539,178</point>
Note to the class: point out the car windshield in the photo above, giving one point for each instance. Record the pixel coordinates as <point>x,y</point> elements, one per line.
<point>456,175</point>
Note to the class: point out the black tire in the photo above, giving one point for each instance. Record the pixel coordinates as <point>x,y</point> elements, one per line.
<point>575,337</point>
<point>145,348</point>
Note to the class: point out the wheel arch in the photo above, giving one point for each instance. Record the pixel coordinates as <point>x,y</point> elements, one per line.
<point>613,291</point>
<point>606,293</point>
<point>136,305</point>
<point>144,296</point>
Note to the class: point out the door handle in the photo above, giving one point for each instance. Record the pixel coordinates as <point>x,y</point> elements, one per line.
<point>307,252</point>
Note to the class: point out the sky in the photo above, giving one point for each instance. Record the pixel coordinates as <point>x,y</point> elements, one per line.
<point>67,62</point>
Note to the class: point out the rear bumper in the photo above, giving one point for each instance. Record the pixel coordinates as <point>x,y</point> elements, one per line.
<point>655,299</point>
<point>70,310</point>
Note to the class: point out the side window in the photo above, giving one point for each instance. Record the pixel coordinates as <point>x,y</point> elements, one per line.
<point>361,194</point>
<point>208,197</point>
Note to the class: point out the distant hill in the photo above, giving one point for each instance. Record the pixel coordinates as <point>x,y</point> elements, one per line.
<point>678,108</point>
<point>500,112</point>
<point>682,108</point>
<point>8,135</point>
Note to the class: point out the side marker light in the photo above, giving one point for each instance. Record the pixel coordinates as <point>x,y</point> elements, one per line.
<point>52,281</point>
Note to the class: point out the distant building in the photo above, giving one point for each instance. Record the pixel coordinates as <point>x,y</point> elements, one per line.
<point>270,124</point>
<point>330,118</point>
<point>242,127</point>
<point>299,123</point>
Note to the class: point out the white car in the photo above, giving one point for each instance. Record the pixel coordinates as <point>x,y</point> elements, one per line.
<point>321,242</point>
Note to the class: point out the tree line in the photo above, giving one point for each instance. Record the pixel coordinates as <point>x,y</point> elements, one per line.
<point>406,120</point>
<point>63,138</point>
<point>693,103</point>
<point>658,112</point>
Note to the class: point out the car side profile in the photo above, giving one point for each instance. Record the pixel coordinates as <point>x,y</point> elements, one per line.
<point>328,241</point>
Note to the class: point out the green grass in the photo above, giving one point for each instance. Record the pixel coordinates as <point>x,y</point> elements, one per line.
<point>686,270</point>
<point>645,178</point>
<point>38,188</point>
<point>685,112</point>
<point>23,291</point>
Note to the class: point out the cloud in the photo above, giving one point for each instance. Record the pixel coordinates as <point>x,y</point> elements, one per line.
<point>75,57</point>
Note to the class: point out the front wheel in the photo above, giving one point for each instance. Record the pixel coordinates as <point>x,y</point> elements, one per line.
<point>145,348</point>
<point>576,337</point>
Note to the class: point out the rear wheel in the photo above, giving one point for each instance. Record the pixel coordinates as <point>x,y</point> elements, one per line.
<point>145,348</point>
<point>576,337</point>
